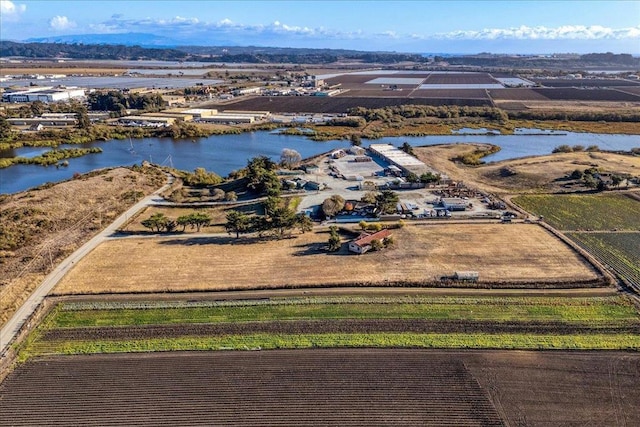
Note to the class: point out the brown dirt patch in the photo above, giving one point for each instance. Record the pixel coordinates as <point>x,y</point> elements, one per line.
<point>511,253</point>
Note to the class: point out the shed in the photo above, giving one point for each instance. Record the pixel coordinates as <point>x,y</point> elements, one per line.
<point>466,276</point>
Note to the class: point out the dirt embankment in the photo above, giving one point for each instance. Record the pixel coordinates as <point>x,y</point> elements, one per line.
<point>39,228</point>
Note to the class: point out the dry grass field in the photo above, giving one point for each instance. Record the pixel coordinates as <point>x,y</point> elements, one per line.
<point>501,253</point>
<point>526,174</point>
<point>39,228</point>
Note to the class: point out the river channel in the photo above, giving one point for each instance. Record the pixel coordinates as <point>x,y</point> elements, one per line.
<point>225,153</point>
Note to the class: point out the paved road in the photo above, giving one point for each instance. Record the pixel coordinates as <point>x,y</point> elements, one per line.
<point>13,325</point>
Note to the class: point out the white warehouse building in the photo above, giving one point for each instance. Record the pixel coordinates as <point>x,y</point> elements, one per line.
<point>44,94</point>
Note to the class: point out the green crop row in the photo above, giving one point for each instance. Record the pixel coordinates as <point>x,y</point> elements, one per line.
<point>583,310</point>
<point>584,212</point>
<point>391,340</point>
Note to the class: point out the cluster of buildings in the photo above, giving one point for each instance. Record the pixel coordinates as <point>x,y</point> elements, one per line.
<point>45,120</point>
<point>201,115</point>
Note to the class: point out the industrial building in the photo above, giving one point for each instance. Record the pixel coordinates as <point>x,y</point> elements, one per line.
<point>399,160</point>
<point>43,94</point>
<point>147,121</point>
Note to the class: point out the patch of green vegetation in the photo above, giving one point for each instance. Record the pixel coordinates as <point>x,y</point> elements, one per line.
<point>570,310</point>
<point>584,212</point>
<point>289,341</point>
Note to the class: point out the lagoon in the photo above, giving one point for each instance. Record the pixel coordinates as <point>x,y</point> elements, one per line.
<point>225,153</point>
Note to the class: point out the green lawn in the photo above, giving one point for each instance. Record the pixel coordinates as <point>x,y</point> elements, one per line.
<point>582,310</point>
<point>584,212</point>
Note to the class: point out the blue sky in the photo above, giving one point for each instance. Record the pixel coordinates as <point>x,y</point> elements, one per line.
<point>411,26</point>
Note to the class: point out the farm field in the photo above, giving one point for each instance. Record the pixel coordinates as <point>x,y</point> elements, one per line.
<point>568,94</point>
<point>340,387</point>
<point>503,255</point>
<point>585,212</point>
<point>586,82</point>
<point>611,322</point>
<point>463,78</point>
<point>450,93</point>
<point>516,94</point>
<point>620,251</point>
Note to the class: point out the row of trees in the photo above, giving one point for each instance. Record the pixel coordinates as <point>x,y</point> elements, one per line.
<point>159,222</point>
<point>420,111</point>
<point>278,221</point>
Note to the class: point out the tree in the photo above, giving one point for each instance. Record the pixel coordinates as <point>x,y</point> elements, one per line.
<point>412,177</point>
<point>369,197</point>
<point>388,241</point>
<point>199,220</point>
<point>616,180</point>
<point>334,242</point>
<point>333,205</point>
<point>261,176</point>
<point>290,158</point>
<point>356,139</point>
<point>303,223</point>
<point>238,222</point>
<point>376,245</point>
<point>231,196</point>
<point>407,148</point>
<point>156,222</point>
<point>363,225</point>
<point>387,201</point>
<point>5,129</point>
<point>281,221</point>
<point>183,221</point>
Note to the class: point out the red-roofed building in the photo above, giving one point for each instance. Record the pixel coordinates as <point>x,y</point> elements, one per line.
<point>363,243</point>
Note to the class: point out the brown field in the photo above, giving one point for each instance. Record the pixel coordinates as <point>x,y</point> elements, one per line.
<point>587,94</point>
<point>458,79</point>
<point>630,89</point>
<point>327,387</point>
<point>586,82</point>
<point>376,91</point>
<point>503,254</point>
<point>39,228</point>
<point>531,173</point>
<point>450,93</point>
<point>516,94</point>
<point>340,104</point>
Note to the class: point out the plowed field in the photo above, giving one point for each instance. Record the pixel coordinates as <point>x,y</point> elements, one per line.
<point>326,387</point>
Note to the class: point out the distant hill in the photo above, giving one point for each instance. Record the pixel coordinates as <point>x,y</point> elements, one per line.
<point>87,51</point>
<point>126,39</point>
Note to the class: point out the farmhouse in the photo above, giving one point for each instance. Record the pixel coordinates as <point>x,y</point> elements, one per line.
<point>363,243</point>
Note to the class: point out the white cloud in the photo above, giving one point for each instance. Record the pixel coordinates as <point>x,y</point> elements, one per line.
<point>567,32</point>
<point>10,10</point>
<point>61,23</point>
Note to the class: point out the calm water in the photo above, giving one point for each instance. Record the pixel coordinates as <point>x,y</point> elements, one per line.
<point>225,153</point>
